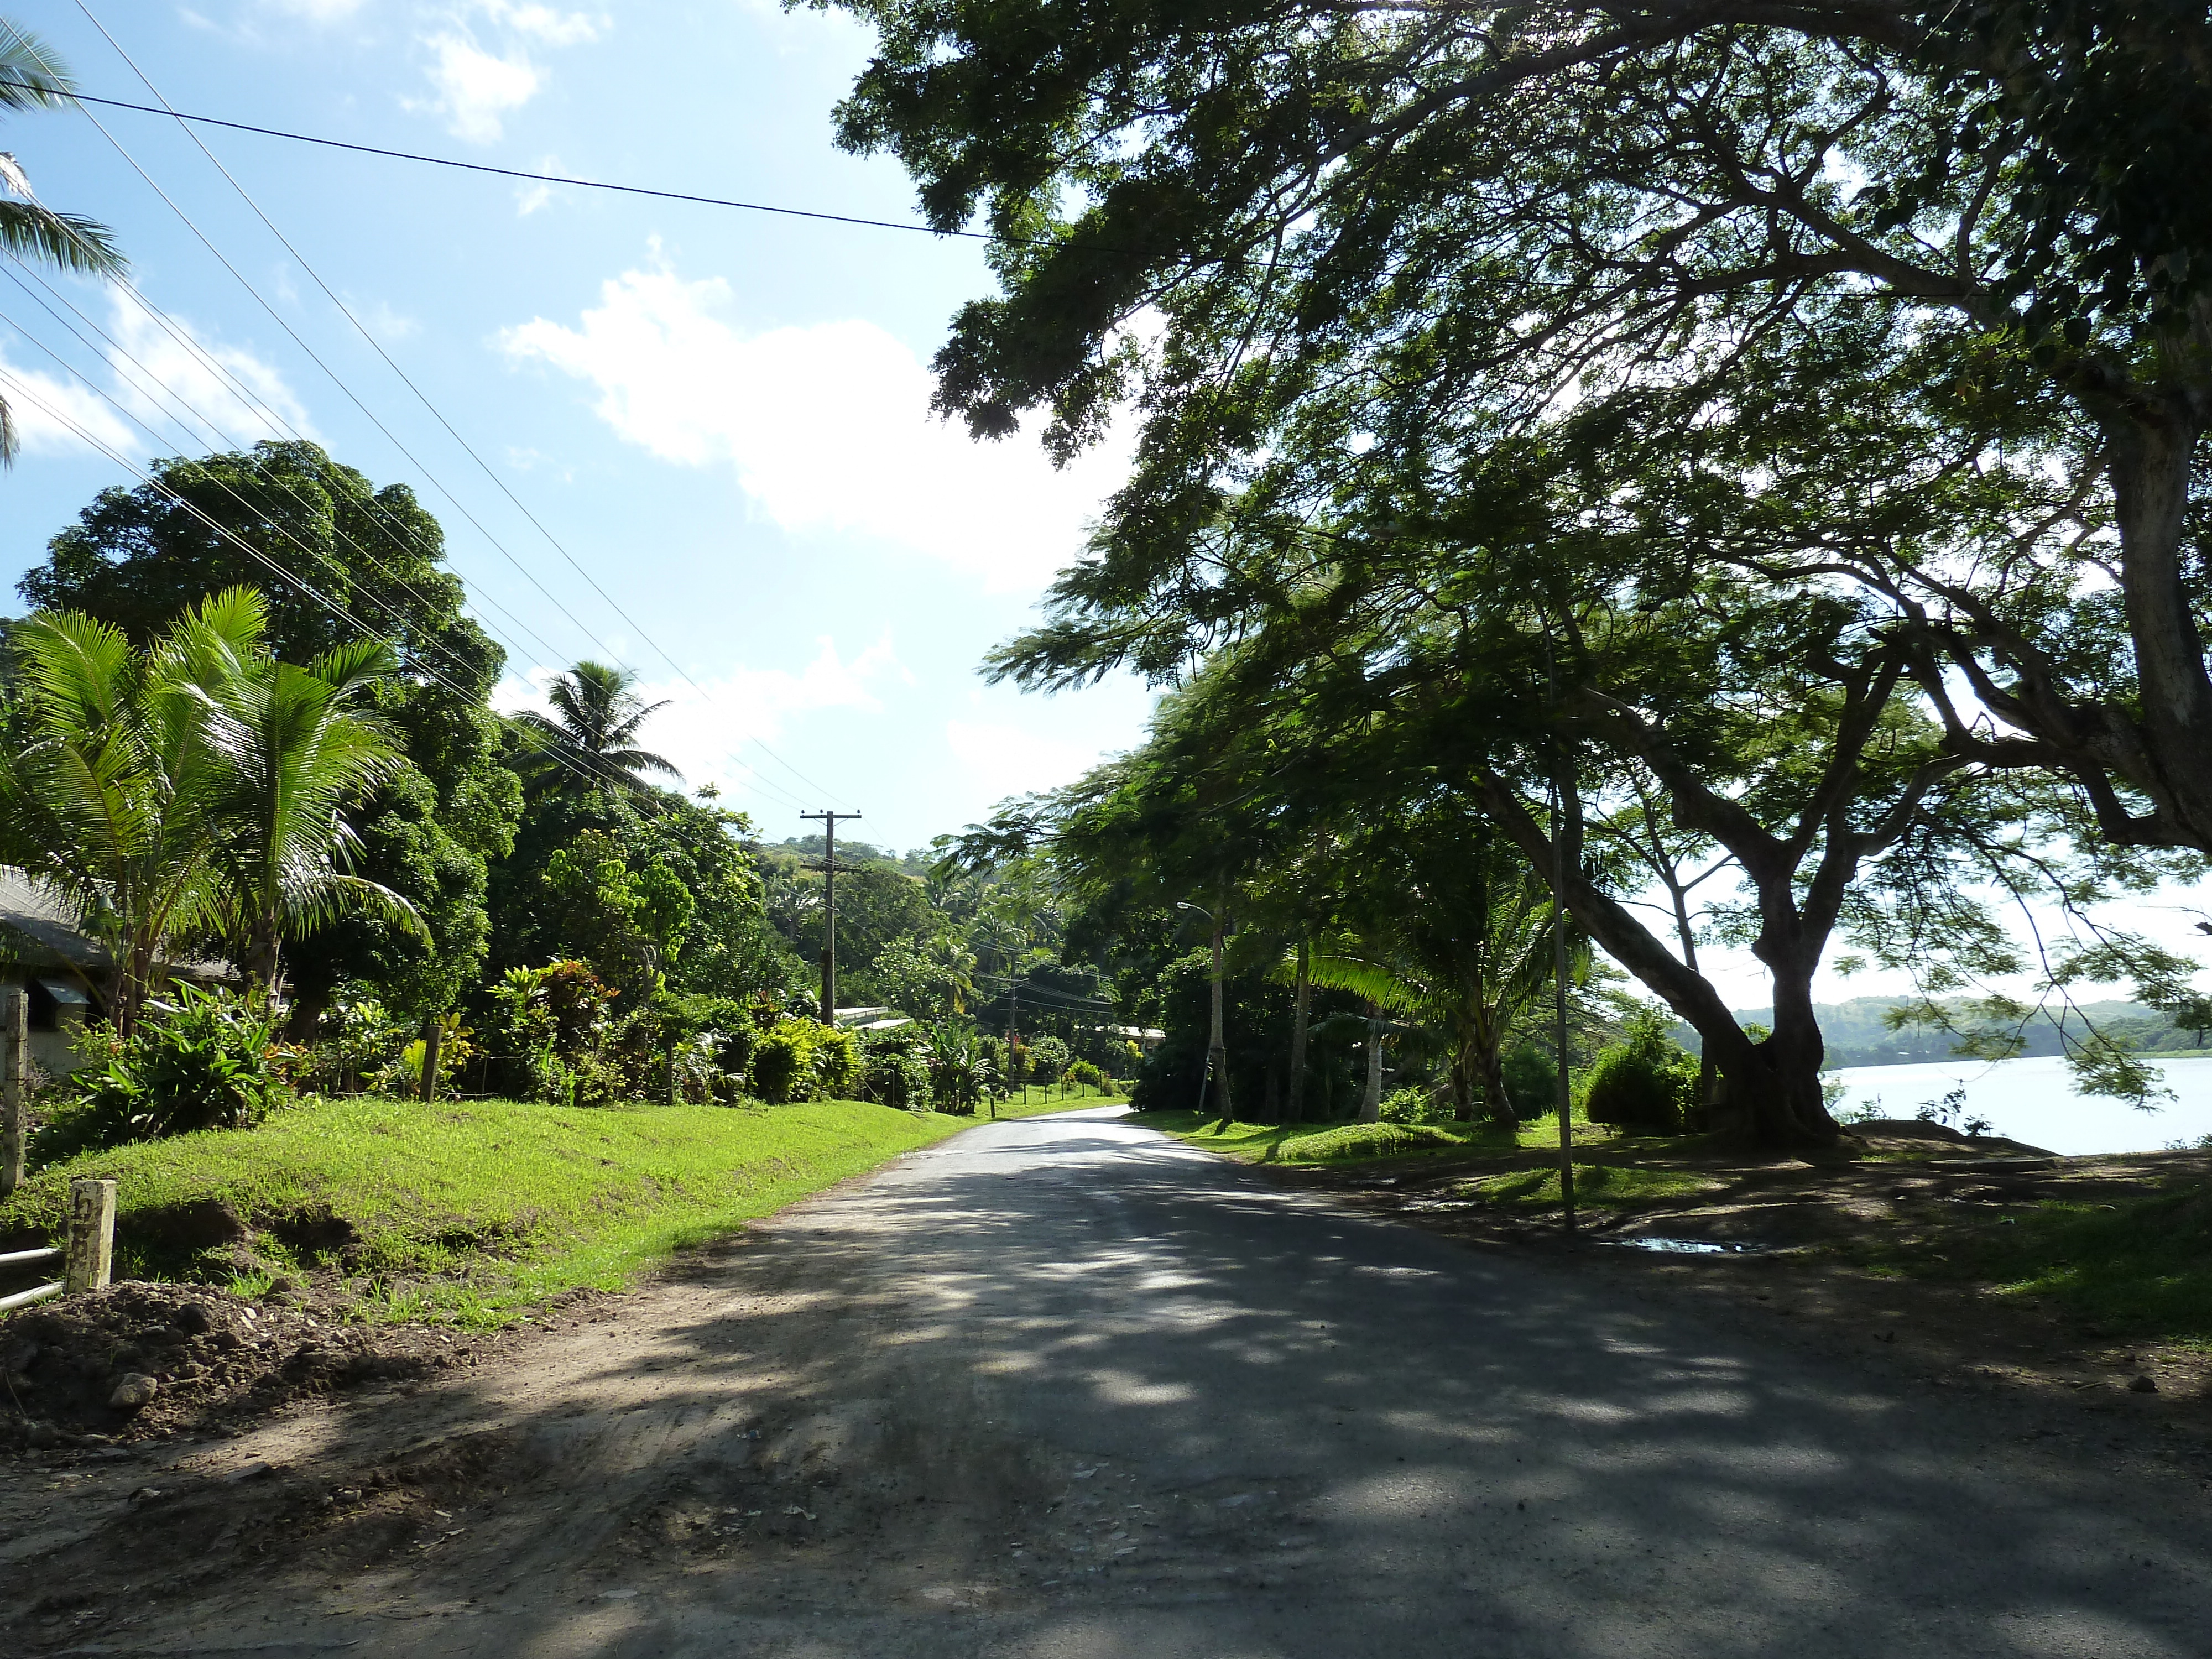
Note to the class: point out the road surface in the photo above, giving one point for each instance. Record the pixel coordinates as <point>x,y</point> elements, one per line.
<point>1065,1387</point>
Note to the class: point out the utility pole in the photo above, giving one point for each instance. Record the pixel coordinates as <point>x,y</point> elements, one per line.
<point>1559,943</point>
<point>1013,1013</point>
<point>829,821</point>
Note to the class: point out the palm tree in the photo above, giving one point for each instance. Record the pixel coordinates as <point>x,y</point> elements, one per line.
<point>594,727</point>
<point>107,794</point>
<point>298,751</point>
<point>32,77</point>
<point>192,788</point>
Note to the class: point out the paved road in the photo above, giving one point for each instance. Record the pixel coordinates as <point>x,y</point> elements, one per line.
<point>1065,1387</point>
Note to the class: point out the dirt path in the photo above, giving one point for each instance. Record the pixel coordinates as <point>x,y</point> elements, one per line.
<point>1065,1387</point>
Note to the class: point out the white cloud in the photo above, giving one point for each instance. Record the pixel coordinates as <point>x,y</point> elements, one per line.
<point>827,427</point>
<point>249,402</point>
<point>708,729</point>
<point>382,320</point>
<point>1001,760</point>
<point>319,11</point>
<point>475,87</point>
<point>217,394</point>
<point>543,23</point>
<point>45,408</point>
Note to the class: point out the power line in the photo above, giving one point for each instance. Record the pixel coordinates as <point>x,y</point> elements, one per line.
<point>421,628</point>
<point>258,405</point>
<point>21,390</point>
<point>377,346</point>
<point>459,166</point>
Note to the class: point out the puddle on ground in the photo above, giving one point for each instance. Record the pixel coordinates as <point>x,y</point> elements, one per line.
<point>1684,1246</point>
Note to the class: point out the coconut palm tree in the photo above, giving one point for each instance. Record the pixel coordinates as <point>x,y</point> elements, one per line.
<point>298,749</point>
<point>32,77</point>
<point>594,724</point>
<point>194,788</point>
<point>107,794</point>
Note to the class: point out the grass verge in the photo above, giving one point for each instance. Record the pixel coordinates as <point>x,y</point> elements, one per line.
<point>467,1212</point>
<point>1346,1143</point>
<point>2139,1265</point>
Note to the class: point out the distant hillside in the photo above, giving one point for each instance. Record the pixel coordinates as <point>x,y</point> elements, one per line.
<point>1857,1035</point>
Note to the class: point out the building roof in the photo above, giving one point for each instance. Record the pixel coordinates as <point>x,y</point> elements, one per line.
<point>38,931</point>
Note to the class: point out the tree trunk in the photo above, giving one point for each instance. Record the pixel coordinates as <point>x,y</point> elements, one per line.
<point>1774,1090</point>
<point>1371,1102</point>
<point>1302,1001</point>
<point>2151,462</point>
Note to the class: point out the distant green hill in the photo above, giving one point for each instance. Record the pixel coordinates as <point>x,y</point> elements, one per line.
<point>1856,1034</point>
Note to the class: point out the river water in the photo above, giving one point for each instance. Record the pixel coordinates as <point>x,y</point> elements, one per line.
<point>2034,1101</point>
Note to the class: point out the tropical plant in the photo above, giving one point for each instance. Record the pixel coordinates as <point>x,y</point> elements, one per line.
<point>590,740</point>
<point>137,556</point>
<point>961,1075</point>
<point>33,77</point>
<point>1049,1058</point>
<point>199,1060</point>
<point>109,791</point>
<point>299,749</point>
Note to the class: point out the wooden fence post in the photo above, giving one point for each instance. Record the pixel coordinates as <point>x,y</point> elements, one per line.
<point>91,1236</point>
<point>434,1039</point>
<point>14,1039</point>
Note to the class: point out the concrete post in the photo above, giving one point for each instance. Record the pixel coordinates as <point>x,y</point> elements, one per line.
<point>91,1236</point>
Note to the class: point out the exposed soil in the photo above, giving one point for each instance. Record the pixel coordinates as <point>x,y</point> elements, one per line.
<point>1810,1227</point>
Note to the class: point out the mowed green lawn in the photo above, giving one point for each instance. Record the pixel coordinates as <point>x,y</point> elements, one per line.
<point>467,1211</point>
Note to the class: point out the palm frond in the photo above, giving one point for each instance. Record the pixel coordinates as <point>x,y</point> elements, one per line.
<point>32,74</point>
<point>67,241</point>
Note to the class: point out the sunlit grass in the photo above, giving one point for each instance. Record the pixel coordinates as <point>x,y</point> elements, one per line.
<point>476,1211</point>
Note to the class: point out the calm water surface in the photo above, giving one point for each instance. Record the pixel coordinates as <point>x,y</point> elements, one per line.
<point>2034,1101</point>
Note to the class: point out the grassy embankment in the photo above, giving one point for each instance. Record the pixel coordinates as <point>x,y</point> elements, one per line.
<point>472,1211</point>
<point>2124,1244</point>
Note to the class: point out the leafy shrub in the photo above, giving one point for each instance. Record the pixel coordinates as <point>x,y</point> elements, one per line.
<point>1415,1104</point>
<point>358,1042</point>
<point>782,1062</point>
<point>837,1065</point>
<point>199,1060</point>
<point>798,1059</point>
<point>1643,1082</point>
<point>1049,1058</point>
<point>548,1032</point>
<point>895,1078</point>
<point>1362,1140</point>
<point>961,1075</point>
<point>1084,1074</point>
<point>1532,1082</point>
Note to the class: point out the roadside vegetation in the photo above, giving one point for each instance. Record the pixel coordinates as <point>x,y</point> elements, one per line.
<point>469,1211</point>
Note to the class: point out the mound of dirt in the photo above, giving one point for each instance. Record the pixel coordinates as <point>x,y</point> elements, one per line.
<point>140,1361</point>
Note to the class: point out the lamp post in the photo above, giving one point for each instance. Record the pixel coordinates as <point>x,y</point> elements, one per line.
<point>1217,1052</point>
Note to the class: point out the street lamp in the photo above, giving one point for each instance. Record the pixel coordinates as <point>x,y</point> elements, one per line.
<point>1216,1053</point>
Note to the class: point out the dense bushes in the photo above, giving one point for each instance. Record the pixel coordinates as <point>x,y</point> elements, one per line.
<point>804,1060</point>
<point>895,1069</point>
<point>1532,1082</point>
<point>199,1060</point>
<point>1645,1081</point>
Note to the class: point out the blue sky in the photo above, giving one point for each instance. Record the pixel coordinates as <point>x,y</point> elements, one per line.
<point>721,416</point>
